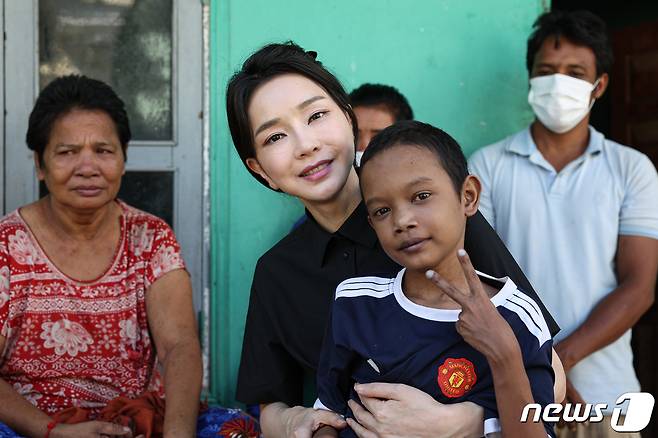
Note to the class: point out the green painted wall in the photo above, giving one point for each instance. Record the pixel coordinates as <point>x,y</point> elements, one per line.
<point>459,62</point>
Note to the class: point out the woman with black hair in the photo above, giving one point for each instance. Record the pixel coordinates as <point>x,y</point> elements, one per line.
<point>295,131</point>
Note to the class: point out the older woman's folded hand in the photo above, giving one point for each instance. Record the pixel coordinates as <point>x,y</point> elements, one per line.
<point>90,429</point>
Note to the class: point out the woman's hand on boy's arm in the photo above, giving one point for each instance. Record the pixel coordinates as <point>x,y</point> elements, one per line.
<point>280,420</point>
<point>326,432</point>
<point>393,410</point>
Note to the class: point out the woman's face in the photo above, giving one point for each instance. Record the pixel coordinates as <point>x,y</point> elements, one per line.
<point>83,162</point>
<point>303,140</point>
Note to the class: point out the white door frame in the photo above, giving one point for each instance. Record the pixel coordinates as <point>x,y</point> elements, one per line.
<point>183,155</point>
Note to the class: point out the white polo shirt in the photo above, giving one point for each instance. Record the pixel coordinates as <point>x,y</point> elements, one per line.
<point>562,228</point>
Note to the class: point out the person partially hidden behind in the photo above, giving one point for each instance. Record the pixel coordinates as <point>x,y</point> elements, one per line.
<point>578,211</point>
<point>440,326</point>
<point>376,107</point>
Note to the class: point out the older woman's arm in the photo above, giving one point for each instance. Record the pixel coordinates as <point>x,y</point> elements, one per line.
<point>17,412</point>
<point>173,325</point>
<point>24,418</point>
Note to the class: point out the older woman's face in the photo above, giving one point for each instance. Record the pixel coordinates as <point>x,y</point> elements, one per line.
<point>83,161</point>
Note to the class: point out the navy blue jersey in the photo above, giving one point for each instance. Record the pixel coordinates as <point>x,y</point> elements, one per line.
<point>376,334</point>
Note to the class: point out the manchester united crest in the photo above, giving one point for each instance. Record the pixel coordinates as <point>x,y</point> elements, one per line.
<point>456,377</point>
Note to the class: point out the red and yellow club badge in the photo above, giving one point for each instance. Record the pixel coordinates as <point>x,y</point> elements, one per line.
<point>456,377</point>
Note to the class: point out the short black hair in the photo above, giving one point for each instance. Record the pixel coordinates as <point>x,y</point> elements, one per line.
<point>382,95</point>
<point>265,64</point>
<point>67,93</point>
<point>582,28</point>
<point>423,135</point>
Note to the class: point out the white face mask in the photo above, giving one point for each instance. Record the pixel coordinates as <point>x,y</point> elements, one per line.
<point>357,158</point>
<point>560,102</point>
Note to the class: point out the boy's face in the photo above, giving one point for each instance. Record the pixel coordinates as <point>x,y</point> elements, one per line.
<point>412,204</point>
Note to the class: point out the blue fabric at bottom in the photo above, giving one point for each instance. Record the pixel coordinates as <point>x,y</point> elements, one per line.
<point>6,432</point>
<point>226,423</point>
<point>216,422</point>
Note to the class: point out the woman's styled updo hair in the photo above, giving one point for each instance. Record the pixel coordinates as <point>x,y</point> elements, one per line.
<point>267,63</point>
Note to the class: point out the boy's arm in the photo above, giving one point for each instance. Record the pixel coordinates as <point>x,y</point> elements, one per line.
<point>483,327</point>
<point>513,392</point>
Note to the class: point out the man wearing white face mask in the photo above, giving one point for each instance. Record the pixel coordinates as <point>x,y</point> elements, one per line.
<point>579,212</point>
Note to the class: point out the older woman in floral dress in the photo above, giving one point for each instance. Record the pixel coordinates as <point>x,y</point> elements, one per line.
<point>95,302</point>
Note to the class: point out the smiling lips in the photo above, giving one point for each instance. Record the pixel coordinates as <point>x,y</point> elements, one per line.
<point>317,170</point>
<point>412,244</point>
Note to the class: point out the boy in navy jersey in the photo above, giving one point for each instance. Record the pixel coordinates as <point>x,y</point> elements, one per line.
<point>438,325</point>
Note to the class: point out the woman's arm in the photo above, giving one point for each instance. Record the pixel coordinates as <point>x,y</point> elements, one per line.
<point>560,387</point>
<point>171,320</point>
<point>19,414</point>
<point>26,419</point>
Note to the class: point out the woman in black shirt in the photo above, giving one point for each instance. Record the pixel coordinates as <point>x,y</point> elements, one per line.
<point>294,129</point>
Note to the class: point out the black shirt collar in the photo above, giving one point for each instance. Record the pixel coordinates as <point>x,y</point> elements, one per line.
<point>355,229</point>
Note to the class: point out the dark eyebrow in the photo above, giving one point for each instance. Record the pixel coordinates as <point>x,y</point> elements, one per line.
<point>418,180</point>
<point>371,201</point>
<point>307,102</point>
<point>550,65</point>
<point>273,122</point>
<point>266,125</point>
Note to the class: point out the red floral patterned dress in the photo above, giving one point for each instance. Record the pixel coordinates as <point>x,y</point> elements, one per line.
<point>73,343</point>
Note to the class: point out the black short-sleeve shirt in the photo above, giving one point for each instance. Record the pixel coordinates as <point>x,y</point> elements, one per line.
<point>294,285</point>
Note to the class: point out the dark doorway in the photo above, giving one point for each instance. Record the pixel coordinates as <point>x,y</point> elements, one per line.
<point>628,114</point>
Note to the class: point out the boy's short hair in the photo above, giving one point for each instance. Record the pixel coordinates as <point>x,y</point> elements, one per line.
<point>583,28</point>
<point>414,133</point>
<point>382,95</point>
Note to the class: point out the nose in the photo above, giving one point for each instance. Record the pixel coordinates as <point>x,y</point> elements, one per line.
<point>404,220</point>
<point>307,143</point>
<point>87,165</point>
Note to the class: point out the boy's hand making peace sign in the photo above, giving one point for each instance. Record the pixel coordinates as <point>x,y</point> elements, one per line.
<point>479,322</point>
